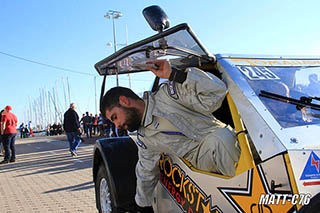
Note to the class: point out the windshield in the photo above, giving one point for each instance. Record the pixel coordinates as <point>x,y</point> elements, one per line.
<point>177,43</point>
<point>290,94</point>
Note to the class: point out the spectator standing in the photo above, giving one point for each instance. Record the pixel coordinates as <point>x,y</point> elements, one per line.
<point>59,128</point>
<point>30,129</point>
<point>71,126</point>
<point>21,129</point>
<point>8,130</point>
<point>87,120</point>
<point>91,123</point>
<point>95,125</point>
<point>26,131</point>
<point>51,129</point>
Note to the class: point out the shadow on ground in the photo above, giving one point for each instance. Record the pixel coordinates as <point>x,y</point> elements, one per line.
<point>51,157</point>
<point>83,186</point>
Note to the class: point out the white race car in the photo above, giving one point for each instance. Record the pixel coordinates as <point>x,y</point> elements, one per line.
<point>274,105</point>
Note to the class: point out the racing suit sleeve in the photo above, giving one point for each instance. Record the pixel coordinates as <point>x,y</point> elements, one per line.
<point>147,173</point>
<point>201,91</point>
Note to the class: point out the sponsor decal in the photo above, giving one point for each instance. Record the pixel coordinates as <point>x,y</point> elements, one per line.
<point>185,192</point>
<point>277,63</point>
<point>256,197</point>
<point>311,171</point>
<point>311,183</point>
<point>257,73</point>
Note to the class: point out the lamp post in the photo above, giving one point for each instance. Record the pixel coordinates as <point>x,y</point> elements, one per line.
<point>114,15</point>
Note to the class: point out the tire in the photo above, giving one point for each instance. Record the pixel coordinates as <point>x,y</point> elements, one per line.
<point>114,176</point>
<point>103,193</point>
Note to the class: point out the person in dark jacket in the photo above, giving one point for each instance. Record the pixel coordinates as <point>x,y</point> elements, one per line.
<point>59,129</point>
<point>87,121</point>
<point>71,126</point>
<point>21,128</point>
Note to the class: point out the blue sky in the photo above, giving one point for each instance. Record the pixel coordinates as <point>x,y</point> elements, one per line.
<point>73,34</point>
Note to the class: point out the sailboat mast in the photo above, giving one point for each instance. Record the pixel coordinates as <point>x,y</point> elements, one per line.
<point>68,90</point>
<point>64,93</point>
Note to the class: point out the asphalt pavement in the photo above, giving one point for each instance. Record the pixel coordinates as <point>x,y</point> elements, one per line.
<point>46,178</point>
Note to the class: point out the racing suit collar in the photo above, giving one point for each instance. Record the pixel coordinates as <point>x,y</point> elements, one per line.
<point>147,118</point>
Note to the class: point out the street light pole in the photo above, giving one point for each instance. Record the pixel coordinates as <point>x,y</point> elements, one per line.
<point>114,15</point>
<point>114,35</point>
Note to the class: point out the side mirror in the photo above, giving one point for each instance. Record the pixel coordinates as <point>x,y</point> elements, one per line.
<point>156,18</point>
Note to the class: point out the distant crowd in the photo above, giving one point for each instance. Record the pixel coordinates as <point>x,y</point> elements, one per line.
<point>99,126</point>
<point>54,129</point>
<point>26,130</point>
<point>91,125</point>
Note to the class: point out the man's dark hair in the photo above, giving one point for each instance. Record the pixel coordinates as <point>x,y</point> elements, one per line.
<point>111,98</point>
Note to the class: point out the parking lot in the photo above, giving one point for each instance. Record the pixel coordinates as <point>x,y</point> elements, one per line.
<point>45,178</point>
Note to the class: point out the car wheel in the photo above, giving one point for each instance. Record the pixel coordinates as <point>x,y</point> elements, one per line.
<point>104,199</point>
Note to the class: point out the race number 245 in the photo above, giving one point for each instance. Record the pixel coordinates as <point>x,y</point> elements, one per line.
<point>258,73</point>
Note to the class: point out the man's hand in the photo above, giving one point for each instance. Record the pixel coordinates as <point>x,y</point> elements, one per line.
<point>164,68</point>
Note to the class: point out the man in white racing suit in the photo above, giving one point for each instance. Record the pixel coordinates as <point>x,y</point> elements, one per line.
<point>177,119</point>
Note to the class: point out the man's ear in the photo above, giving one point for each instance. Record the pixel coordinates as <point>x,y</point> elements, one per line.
<point>124,101</point>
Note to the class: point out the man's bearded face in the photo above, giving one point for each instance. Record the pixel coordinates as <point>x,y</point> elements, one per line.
<point>132,119</point>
